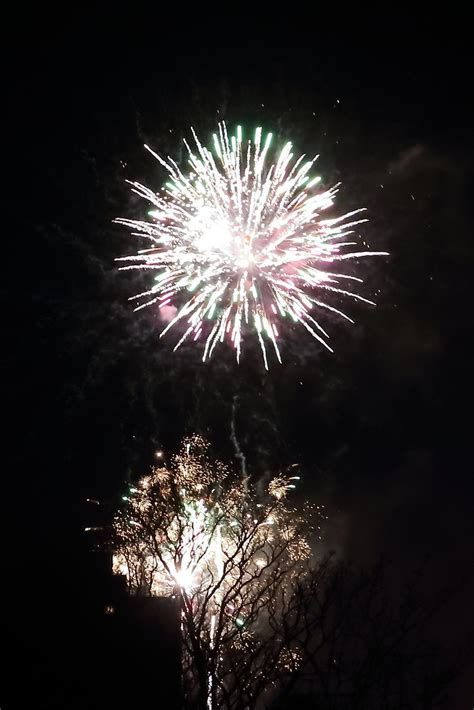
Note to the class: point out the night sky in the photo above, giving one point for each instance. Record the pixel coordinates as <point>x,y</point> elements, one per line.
<point>381,429</point>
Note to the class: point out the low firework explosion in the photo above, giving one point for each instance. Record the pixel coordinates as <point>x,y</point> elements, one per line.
<point>240,244</point>
<point>191,530</point>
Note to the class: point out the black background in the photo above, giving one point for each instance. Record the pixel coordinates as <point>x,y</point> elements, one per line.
<point>381,429</point>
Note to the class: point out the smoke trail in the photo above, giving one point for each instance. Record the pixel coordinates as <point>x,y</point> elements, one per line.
<point>239,454</point>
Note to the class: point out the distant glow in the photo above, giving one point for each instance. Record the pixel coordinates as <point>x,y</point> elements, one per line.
<point>239,242</point>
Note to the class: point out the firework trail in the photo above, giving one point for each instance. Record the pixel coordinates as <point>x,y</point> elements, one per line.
<point>240,245</point>
<point>239,454</point>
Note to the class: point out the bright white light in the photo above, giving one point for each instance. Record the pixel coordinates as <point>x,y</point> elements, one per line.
<point>184,579</point>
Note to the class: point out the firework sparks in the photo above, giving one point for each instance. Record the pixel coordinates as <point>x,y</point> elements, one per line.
<point>239,243</point>
<point>182,523</point>
<point>280,485</point>
<point>232,558</point>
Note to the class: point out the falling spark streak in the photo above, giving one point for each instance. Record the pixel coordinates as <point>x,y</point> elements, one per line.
<point>239,241</point>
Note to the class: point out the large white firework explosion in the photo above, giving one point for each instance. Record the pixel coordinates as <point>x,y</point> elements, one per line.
<point>239,243</point>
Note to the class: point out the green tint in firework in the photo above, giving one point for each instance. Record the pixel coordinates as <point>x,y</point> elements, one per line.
<point>239,242</point>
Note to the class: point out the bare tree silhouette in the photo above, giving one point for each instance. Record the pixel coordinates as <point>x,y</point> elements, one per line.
<point>232,559</point>
<point>264,623</point>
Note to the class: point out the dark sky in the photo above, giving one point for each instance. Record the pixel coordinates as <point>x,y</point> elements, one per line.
<point>382,428</point>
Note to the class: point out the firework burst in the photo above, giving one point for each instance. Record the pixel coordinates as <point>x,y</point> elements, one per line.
<point>183,521</point>
<point>240,243</point>
<point>234,560</point>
